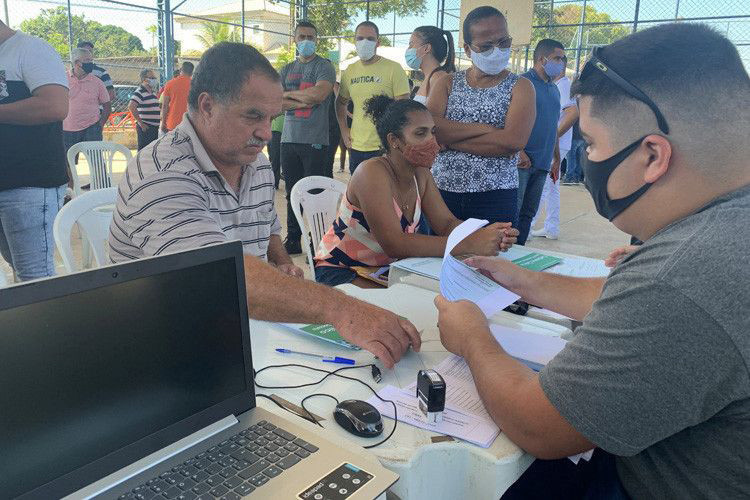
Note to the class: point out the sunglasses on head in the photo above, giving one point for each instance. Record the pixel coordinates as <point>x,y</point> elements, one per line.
<point>595,63</point>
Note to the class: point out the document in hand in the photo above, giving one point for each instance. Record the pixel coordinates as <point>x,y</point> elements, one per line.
<point>533,349</point>
<point>460,282</point>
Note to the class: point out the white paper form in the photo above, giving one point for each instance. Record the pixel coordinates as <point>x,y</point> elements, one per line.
<point>424,266</point>
<point>534,349</point>
<point>460,282</point>
<point>460,390</point>
<point>577,267</point>
<point>459,425</point>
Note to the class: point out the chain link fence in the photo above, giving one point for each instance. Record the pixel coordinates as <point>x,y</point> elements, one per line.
<point>130,35</point>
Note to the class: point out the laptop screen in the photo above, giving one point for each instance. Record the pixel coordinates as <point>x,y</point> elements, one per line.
<point>88,373</point>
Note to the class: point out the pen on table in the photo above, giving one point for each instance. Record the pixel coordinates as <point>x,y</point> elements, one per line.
<point>324,359</point>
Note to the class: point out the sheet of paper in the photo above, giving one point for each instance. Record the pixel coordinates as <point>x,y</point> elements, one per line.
<point>458,425</point>
<point>460,390</point>
<point>424,266</point>
<point>460,282</point>
<point>580,267</point>
<point>533,348</point>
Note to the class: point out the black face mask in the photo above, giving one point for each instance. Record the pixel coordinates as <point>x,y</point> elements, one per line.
<point>87,67</point>
<point>596,175</point>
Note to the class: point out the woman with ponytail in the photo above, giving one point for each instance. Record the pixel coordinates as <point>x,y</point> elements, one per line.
<point>431,51</point>
<point>385,198</point>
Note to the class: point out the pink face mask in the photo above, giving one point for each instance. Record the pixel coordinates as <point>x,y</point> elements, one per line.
<point>422,154</point>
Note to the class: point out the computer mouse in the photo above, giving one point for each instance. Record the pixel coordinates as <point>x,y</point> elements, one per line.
<point>359,418</point>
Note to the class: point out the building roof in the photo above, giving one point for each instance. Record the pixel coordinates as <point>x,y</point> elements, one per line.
<point>234,9</point>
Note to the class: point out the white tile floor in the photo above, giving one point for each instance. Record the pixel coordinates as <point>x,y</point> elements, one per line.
<point>582,230</point>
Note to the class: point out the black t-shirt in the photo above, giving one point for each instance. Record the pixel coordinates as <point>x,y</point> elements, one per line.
<point>33,155</point>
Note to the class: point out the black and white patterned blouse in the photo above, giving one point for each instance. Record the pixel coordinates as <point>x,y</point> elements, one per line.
<point>460,172</point>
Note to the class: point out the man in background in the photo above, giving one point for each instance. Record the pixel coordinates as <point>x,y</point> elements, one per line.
<point>370,76</point>
<point>541,153</point>
<point>33,104</point>
<point>145,108</point>
<point>308,87</point>
<point>98,71</point>
<point>175,98</point>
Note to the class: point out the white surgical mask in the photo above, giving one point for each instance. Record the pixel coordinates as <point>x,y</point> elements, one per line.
<point>491,62</point>
<point>153,82</point>
<point>365,49</point>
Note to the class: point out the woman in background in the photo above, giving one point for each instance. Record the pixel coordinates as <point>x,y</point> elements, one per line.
<point>430,51</point>
<point>385,198</point>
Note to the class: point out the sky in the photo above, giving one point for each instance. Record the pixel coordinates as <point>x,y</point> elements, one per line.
<point>136,20</point>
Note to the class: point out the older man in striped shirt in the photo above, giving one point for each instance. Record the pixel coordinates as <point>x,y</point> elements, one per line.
<point>207,181</point>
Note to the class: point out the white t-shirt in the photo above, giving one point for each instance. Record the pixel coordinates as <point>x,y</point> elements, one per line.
<point>30,156</point>
<point>563,84</point>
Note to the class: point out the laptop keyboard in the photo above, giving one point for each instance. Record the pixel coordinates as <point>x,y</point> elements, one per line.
<point>230,470</point>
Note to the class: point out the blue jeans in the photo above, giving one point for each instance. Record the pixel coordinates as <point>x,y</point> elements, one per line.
<point>26,218</point>
<point>574,172</point>
<point>495,206</point>
<point>90,133</point>
<point>530,187</point>
<point>357,157</point>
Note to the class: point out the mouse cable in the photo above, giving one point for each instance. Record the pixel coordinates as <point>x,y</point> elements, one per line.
<point>310,384</point>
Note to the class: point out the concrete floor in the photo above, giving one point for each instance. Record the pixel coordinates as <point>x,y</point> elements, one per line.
<point>582,230</point>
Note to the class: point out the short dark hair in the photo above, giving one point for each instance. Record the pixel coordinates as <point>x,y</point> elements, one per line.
<point>477,15</point>
<point>441,42</point>
<point>187,68</point>
<point>305,24</point>
<point>369,24</point>
<point>223,69</point>
<point>390,115</point>
<point>85,44</point>
<point>698,86</point>
<point>545,47</point>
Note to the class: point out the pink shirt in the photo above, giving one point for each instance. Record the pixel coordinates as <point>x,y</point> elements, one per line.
<point>85,97</point>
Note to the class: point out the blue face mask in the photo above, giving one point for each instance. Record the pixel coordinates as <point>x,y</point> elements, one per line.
<point>306,48</point>
<point>553,68</point>
<point>412,59</point>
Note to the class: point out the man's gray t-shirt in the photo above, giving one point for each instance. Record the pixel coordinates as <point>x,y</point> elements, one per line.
<point>307,125</point>
<point>658,372</point>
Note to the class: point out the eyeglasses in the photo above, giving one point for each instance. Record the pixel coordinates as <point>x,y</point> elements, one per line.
<point>505,43</point>
<point>595,63</point>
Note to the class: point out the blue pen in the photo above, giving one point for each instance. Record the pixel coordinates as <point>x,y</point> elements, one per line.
<point>324,359</point>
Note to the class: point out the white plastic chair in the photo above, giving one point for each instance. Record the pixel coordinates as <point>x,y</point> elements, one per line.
<point>99,155</point>
<point>92,212</point>
<point>319,209</point>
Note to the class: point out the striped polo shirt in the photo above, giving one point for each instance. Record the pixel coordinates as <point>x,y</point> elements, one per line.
<point>148,106</point>
<point>172,199</point>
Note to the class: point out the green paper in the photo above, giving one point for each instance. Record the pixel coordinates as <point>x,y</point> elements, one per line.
<point>537,261</point>
<point>323,332</point>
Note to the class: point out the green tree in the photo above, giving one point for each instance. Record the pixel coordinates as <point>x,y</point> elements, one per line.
<point>213,33</point>
<point>568,35</point>
<point>109,40</point>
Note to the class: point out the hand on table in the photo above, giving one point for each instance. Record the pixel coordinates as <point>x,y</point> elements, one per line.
<point>460,323</point>
<point>379,331</point>
<point>291,270</point>
<point>616,256</point>
<point>510,236</point>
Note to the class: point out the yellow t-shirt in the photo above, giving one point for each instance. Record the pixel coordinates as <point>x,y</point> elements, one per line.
<point>359,82</point>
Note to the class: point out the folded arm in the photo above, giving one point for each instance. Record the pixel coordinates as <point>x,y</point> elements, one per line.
<point>311,95</point>
<point>449,132</point>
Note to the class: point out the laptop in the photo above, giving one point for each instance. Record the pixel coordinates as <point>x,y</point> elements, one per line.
<point>135,382</point>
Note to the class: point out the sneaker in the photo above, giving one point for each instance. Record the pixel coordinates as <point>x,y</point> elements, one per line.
<point>292,247</point>
<point>542,233</point>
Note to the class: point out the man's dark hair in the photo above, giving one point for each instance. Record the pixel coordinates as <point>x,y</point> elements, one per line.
<point>390,115</point>
<point>85,44</point>
<point>175,73</point>
<point>187,68</point>
<point>305,24</point>
<point>477,15</point>
<point>223,69</point>
<point>699,87</point>
<point>545,47</point>
<point>368,24</point>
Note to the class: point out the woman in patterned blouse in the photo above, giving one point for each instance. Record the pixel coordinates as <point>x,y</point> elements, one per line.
<point>483,116</point>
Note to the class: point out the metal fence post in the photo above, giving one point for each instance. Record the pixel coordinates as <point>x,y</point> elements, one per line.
<point>5,7</point>
<point>242,21</point>
<point>635,17</point>
<point>168,40</point>
<point>580,37</point>
<point>70,31</point>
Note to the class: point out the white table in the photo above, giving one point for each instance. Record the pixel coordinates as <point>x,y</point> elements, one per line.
<point>446,470</point>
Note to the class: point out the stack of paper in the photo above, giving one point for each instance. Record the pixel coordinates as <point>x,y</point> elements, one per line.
<point>423,266</point>
<point>460,282</point>
<point>460,425</point>
<point>322,332</point>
